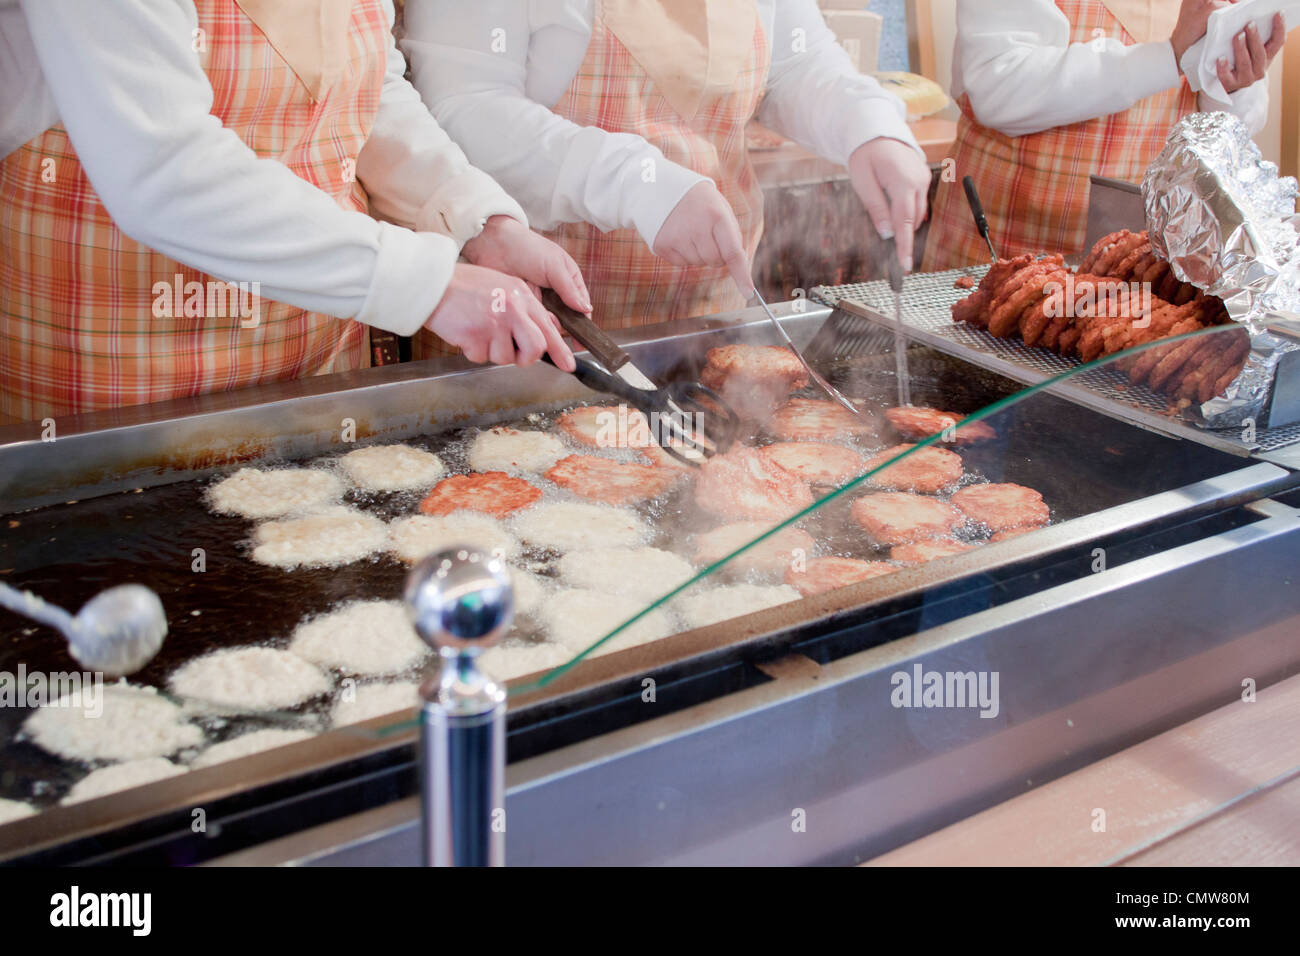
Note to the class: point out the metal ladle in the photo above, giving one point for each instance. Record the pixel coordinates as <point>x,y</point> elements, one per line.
<point>118,631</point>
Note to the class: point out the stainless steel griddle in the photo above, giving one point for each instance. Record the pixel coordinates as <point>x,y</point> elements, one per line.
<point>1140,494</point>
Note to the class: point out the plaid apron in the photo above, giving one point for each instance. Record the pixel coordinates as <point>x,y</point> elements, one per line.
<point>1035,188</point>
<point>631,286</point>
<point>80,327</point>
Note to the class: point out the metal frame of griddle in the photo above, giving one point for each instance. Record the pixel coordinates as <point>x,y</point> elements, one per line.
<point>391,402</point>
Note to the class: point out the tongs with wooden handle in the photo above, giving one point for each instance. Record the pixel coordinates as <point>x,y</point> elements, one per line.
<point>675,411</point>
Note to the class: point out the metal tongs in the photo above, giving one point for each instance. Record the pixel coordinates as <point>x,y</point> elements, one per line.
<point>895,270</point>
<point>687,420</point>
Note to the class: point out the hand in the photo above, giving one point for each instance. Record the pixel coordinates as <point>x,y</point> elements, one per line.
<point>509,246</point>
<point>494,317</point>
<point>1192,20</point>
<point>702,231</point>
<point>893,182</point>
<point>1253,56</point>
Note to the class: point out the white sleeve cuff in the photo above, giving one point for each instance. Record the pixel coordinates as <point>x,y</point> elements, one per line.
<point>459,207</point>
<point>1149,68</point>
<point>412,271</point>
<point>870,122</point>
<point>651,203</point>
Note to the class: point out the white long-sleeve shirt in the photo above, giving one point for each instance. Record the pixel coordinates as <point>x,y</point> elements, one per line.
<point>1015,61</point>
<point>497,105</point>
<point>122,78</point>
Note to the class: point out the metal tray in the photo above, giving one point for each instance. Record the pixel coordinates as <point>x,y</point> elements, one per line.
<point>928,299</point>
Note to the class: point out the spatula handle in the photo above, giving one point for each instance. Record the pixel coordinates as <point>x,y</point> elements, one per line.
<point>592,337</point>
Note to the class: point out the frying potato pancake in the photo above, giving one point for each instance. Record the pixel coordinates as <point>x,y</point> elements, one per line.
<point>507,661</point>
<point>244,679</point>
<point>251,743</point>
<point>702,608</point>
<point>610,481</point>
<point>577,618</point>
<point>831,574</point>
<point>923,551</point>
<point>569,525</point>
<point>1002,507</point>
<point>356,704</point>
<point>607,426</point>
<point>747,484</point>
<point>816,462</point>
<point>753,379</point>
<point>772,556</point>
<point>897,517</point>
<point>1010,533</point>
<point>255,493</point>
<point>642,573</point>
<point>123,723</point>
<point>928,470</point>
<point>121,776</point>
<point>917,423</point>
<point>508,449</point>
<point>493,492</point>
<point>415,538</point>
<point>361,637</point>
<point>808,419</point>
<point>617,427</point>
<point>333,537</point>
<point>392,468</point>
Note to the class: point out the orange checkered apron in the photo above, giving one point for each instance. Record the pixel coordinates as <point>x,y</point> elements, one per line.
<point>1035,188</point>
<point>631,286</point>
<point>84,323</point>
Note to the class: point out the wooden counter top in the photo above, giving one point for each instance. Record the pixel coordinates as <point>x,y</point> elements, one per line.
<point>1220,790</point>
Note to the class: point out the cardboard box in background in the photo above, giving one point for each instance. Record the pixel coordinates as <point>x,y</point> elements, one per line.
<point>859,33</point>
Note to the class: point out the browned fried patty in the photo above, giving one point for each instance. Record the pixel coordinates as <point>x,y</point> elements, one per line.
<point>753,379</point>
<point>771,556</point>
<point>973,308</point>
<point>1230,359</point>
<point>492,492</point>
<point>747,484</point>
<point>807,419</point>
<point>817,462</point>
<point>964,282</point>
<point>922,552</point>
<point>898,517</point>
<point>917,423</point>
<point>610,481</point>
<point>606,426</point>
<point>1001,507</point>
<point>927,470</point>
<point>831,574</point>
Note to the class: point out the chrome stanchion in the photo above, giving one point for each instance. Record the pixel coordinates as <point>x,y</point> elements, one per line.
<point>462,603</point>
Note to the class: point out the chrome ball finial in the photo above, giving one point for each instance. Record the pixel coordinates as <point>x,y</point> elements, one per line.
<point>461,600</point>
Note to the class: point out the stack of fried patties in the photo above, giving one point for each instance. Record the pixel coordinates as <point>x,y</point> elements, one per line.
<point>1101,310</point>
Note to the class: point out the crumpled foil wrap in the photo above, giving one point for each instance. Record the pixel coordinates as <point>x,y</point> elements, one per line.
<point>1227,223</point>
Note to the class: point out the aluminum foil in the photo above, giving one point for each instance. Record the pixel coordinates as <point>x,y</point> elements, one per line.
<point>1227,223</point>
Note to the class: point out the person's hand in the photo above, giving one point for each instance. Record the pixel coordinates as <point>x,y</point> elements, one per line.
<point>493,317</point>
<point>1253,56</point>
<point>702,231</point>
<point>893,182</point>
<point>509,246</point>
<point>1193,17</point>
